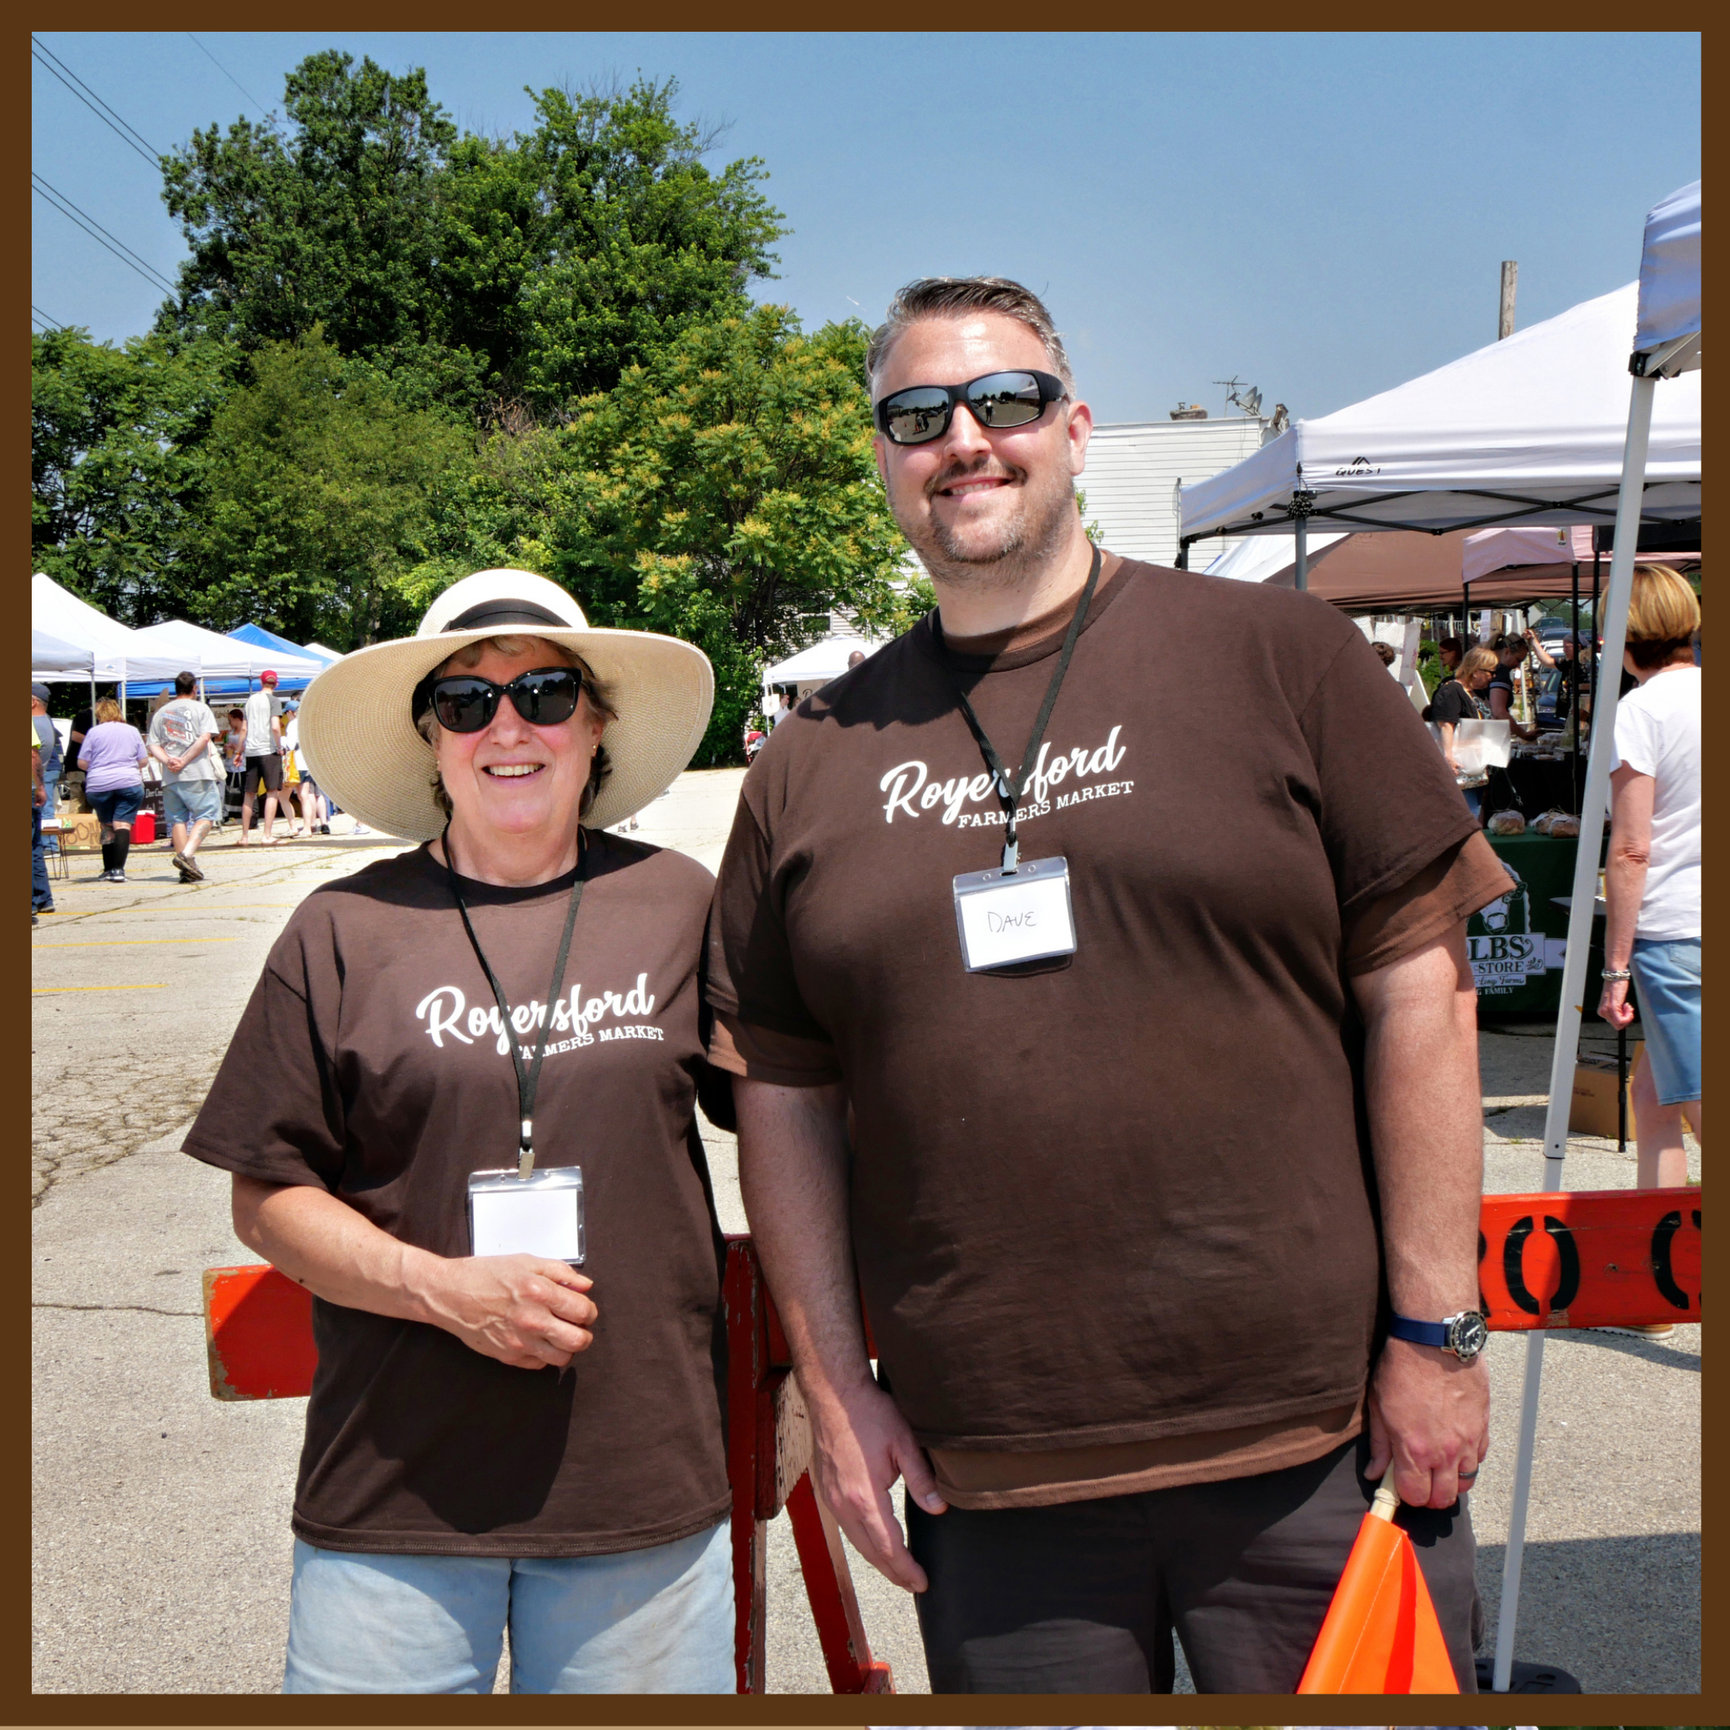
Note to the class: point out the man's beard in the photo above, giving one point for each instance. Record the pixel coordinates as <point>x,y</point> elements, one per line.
<point>1014,548</point>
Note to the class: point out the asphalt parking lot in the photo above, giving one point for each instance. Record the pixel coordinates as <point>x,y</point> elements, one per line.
<point>161,1541</point>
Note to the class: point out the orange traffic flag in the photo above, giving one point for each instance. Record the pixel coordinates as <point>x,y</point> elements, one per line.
<point>1380,1635</point>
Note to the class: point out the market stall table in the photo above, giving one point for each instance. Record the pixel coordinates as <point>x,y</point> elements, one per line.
<point>1532,784</point>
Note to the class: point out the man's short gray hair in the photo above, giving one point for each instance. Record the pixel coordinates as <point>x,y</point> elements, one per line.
<point>951,297</point>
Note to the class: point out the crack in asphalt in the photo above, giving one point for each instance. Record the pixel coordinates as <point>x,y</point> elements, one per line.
<point>140,1309</point>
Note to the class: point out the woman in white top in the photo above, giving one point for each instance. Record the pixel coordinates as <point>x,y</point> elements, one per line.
<point>1652,882</point>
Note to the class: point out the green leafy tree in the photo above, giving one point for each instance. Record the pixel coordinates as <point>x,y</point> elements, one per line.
<point>585,245</point>
<point>724,492</point>
<point>467,271</point>
<point>322,497</point>
<point>114,470</point>
<point>331,220</point>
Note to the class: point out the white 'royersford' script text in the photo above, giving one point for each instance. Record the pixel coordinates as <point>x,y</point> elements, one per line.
<point>909,782</point>
<point>446,1011</point>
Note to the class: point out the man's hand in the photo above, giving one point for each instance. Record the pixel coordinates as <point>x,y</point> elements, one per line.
<point>524,1310</point>
<point>1429,1416</point>
<point>862,1444</point>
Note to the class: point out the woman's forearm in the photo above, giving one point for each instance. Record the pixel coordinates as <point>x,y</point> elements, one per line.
<point>325,1245</point>
<point>1632,796</point>
<point>1624,889</point>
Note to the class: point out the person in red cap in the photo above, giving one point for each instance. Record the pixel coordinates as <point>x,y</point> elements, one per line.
<point>263,759</point>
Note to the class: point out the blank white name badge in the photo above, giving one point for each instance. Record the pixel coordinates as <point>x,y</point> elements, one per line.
<point>541,1214</point>
<point>1024,915</point>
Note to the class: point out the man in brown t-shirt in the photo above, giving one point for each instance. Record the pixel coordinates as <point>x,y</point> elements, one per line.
<point>1128,1214</point>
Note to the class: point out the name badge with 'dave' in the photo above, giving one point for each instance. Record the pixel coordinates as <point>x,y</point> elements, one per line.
<point>1010,916</point>
<point>541,1214</point>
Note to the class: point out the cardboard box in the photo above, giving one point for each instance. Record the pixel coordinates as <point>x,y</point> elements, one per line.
<point>80,832</point>
<point>1593,1109</point>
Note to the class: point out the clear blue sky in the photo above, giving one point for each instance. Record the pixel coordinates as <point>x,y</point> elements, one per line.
<point>1321,215</point>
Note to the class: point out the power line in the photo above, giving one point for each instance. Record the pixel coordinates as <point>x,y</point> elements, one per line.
<point>226,73</point>
<point>43,317</point>
<point>96,105</point>
<point>98,233</point>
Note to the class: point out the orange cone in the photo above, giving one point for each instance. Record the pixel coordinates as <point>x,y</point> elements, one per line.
<point>1380,1635</point>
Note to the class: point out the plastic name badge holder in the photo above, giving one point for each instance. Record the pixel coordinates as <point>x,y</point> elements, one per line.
<point>541,1214</point>
<point>1009,916</point>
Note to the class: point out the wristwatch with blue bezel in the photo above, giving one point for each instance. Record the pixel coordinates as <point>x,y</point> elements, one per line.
<point>1463,1334</point>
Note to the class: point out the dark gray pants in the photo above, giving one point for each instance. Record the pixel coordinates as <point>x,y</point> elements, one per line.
<point>1084,1598</point>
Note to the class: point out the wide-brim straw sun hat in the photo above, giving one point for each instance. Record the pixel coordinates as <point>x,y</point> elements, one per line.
<point>357,730</point>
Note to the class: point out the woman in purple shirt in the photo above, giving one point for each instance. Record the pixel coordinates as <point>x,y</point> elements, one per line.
<point>111,756</point>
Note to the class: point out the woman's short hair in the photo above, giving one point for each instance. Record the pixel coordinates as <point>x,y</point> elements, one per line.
<point>109,710</point>
<point>1478,660</point>
<point>1663,615</point>
<point>1453,645</point>
<point>470,654</point>
<point>1387,653</point>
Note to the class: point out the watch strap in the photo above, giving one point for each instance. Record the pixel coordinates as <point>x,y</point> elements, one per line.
<point>1419,1333</point>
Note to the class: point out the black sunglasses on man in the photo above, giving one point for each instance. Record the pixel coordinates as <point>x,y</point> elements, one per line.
<point>922,412</point>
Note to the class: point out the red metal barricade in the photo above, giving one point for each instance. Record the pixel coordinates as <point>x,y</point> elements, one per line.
<point>1570,1259</point>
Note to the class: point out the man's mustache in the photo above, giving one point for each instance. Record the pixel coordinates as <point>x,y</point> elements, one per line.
<point>984,469</point>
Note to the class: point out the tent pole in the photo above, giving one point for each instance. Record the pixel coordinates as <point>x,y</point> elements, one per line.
<point>1575,688</point>
<point>1301,571</point>
<point>1580,913</point>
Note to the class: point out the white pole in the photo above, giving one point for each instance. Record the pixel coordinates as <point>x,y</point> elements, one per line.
<point>1301,574</point>
<point>1592,807</point>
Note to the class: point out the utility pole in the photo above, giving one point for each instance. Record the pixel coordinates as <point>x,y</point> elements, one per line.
<point>1510,281</point>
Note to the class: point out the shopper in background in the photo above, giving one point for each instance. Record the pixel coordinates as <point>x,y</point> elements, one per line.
<point>1511,654</point>
<point>53,759</point>
<point>180,739</point>
<point>1652,881</point>
<point>111,757</point>
<point>1458,699</point>
<point>41,896</point>
<point>313,806</point>
<point>234,741</point>
<point>263,761</point>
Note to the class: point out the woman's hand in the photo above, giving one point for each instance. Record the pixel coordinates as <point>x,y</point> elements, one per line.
<point>1614,1006</point>
<point>524,1310</point>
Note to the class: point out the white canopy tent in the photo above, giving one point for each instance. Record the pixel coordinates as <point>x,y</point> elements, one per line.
<point>1263,557</point>
<point>211,655</point>
<point>1528,430</point>
<point>53,657</point>
<point>1666,335</point>
<point>107,646</point>
<point>815,666</point>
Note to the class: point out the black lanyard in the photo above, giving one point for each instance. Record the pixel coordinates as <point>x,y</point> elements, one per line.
<point>1000,775</point>
<point>528,1076</point>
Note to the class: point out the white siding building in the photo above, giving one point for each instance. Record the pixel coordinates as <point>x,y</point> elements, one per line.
<point>1133,472</point>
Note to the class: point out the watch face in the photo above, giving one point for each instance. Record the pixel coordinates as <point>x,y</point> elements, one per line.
<point>1468,1334</point>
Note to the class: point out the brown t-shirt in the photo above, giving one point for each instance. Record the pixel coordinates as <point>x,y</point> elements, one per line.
<point>365,1065</point>
<point>1126,1195</point>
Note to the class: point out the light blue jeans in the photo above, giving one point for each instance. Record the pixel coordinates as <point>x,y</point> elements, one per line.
<point>654,1621</point>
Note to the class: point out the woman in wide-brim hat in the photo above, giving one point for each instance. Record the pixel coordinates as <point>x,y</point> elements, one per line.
<point>463,1116</point>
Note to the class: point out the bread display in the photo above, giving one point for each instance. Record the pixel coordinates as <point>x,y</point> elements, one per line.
<point>1507,823</point>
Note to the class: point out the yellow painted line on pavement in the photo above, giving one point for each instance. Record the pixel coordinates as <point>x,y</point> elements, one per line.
<point>130,942</point>
<point>56,990</point>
